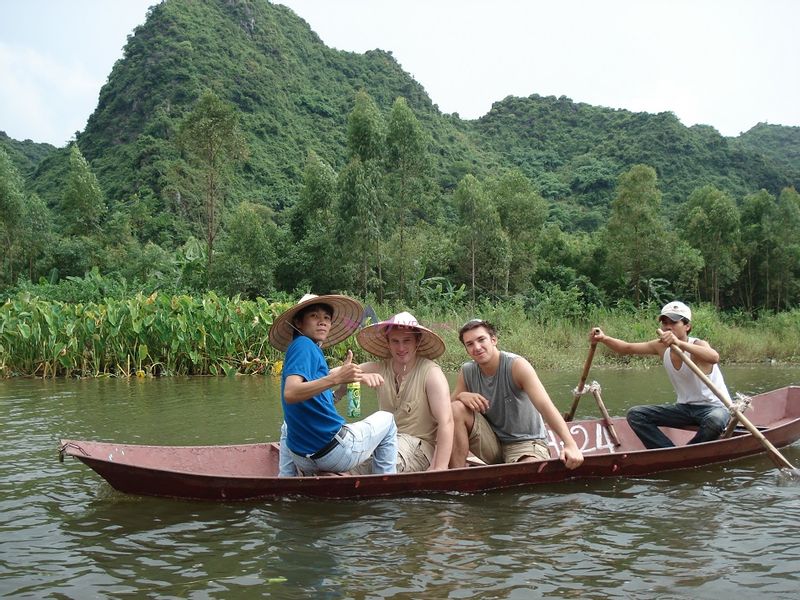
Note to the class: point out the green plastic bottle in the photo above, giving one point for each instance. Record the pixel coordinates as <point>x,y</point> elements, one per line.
<point>354,399</point>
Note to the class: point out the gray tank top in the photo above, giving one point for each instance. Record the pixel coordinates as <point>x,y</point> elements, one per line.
<point>511,413</point>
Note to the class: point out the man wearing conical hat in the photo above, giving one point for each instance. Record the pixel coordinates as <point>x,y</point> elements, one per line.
<point>414,389</point>
<point>316,437</point>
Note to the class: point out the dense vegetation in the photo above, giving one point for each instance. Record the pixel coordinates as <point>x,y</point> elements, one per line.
<point>233,154</point>
<point>158,334</point>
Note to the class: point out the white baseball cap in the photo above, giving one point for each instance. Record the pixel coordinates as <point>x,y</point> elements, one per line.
<point>676,311</point>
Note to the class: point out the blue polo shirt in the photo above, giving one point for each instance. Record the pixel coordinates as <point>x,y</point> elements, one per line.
<point>312,423</point>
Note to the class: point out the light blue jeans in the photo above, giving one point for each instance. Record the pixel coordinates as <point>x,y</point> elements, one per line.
<point>375,436</point>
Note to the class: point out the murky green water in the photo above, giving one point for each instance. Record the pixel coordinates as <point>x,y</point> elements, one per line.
<point>720,532</point>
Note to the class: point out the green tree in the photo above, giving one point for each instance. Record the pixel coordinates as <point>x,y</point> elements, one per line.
<point>635,234</point>
<point>361,189</point>
<point>522,214</point>
<point>770,229</point>
<point>360,206</point>
<point>212,142</point>
<point>406,163</point>
<point>36,233</point>
<point>247,253</point>
<point>481,238</point>
<point>313,260</point>
<point>786,259</point>
<point>366,132</point>
<point>756,247</point>
<point>83,205</point>
<point>11,212</point>
<point>712,226</point>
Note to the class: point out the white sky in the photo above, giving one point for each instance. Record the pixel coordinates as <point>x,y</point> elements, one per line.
<point>725,63</point>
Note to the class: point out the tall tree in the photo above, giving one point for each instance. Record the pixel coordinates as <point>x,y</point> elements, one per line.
<point>83,205</point>
<point>635,235</point>
<point>361,187</point>
<point>481,237</point>
<point>770,250</point>
<point>312,260</point>
<point>786,291</point>
<point>366,131</point>
<point>406,162</point>
<point>712,226</point>
<point>247,252</point>
<point>11,211</point>
<point>522,214</point>
<point>36,233</point>
<point>212,142</point>
<point>759,215</point>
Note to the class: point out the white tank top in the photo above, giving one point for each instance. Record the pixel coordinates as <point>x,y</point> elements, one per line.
<point>688,386</point>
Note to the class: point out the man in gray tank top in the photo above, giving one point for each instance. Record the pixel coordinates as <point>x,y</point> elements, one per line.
<point>500,406</point>
<point>696,403</point>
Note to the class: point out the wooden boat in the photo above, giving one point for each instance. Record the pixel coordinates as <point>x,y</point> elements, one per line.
<point>249,471</point>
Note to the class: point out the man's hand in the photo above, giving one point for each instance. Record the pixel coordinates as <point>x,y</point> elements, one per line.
<point>596,335</point>
<point>372,380</point>
<point>473,401</point>
<point>571,457</point>
<point>666,337</point>
<point>348,372</point>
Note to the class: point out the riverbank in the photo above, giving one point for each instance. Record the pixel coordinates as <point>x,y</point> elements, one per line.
<point>559,343</point>
<point>159,335</point>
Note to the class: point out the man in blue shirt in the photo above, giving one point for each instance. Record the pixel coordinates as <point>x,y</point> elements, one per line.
<point>316,437</point>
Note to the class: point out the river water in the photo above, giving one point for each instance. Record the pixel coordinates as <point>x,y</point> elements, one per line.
<point>725,531</point>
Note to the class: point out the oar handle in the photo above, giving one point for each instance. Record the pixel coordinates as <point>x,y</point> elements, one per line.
<point>587,365</point>
<point>777,457</point>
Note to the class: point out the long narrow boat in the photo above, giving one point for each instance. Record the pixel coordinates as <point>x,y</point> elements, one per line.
<point>249,471</point>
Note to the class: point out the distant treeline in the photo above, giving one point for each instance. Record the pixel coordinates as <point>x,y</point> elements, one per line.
<point>381,228</point>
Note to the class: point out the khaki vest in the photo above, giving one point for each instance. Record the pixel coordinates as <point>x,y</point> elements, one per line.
<point>410,407</point>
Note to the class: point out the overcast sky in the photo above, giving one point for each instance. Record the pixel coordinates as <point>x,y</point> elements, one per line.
<point>726,63</point>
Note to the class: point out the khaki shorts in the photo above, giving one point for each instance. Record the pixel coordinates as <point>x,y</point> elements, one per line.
<point>484,444</point>
<point>413,454</point>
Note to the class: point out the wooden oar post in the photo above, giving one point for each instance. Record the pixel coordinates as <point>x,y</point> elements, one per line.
<point>579,390</point>
<point>596,393</point>
<point>606,417</point>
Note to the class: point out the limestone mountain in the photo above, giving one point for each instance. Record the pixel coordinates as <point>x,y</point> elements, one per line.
<point>294,94</point>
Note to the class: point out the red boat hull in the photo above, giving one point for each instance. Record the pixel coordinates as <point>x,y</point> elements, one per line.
<point>249,471</point>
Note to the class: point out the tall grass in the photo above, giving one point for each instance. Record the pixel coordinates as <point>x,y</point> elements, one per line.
<point>211,335</point>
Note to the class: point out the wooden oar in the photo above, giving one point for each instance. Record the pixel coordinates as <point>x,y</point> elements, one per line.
<point>606,417</point>
<point>579,390</point>
<point>776,456</point>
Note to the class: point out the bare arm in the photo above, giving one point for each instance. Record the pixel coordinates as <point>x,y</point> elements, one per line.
<point>654,347</point>
<point>525,377</point>
<point>296,389</point>
<point>472,400</point>
<point>369,377</point>
<point>438,393</point>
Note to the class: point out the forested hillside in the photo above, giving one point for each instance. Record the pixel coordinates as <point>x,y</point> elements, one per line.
<point>232,150</point>
<point>27,155</point>
<point>779,144</point>
<point>292,92</point>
